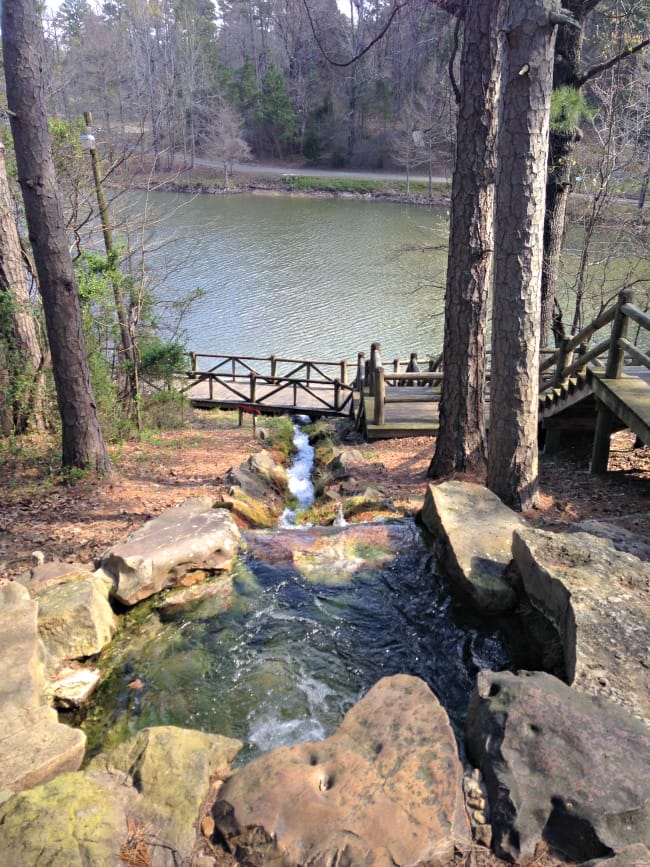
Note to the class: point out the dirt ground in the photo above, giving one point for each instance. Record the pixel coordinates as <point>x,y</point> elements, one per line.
<point>78,522</point>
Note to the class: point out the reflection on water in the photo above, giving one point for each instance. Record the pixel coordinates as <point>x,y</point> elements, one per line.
<point>303,277</point>
<point>286,661</point>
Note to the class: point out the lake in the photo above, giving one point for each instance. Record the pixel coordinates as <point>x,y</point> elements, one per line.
<point>322,278</point>
<point>301,277</point>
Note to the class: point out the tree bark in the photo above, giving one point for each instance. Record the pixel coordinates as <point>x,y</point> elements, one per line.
<point>460,445</point>
<point>22,39</point>
<point>23,355</point>
<point>528,42</point>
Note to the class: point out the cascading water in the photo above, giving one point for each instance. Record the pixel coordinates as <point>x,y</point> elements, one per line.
<point>295,647</point>
<point>299,474</point>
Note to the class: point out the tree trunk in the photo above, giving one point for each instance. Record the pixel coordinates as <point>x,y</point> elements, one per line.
<point>528,41</point>
<point>460,445</point>
<point>22,41</point>
<point>24,357</point>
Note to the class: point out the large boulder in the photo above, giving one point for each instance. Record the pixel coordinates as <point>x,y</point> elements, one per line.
<point>473,531</point>
<point>139,804</point>
<point>597,598</point>
<point>192,536</point>
<point>559,765</point>
<point>34,746</point>
<point>75,619</point>
<point>384,789</point>
<point>621,539</point>
<point>46,575</point>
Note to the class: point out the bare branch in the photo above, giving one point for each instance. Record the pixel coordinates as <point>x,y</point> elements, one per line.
<point>365,50</point>
<point>607,64</point>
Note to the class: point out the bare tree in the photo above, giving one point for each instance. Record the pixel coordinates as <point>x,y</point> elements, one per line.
<point>82,440</point>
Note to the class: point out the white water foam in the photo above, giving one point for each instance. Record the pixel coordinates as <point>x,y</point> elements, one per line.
<point>299,474</point>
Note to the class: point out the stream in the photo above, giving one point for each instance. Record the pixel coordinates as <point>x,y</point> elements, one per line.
<point>285,655</point>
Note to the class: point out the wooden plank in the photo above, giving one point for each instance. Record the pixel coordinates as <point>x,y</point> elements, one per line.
<point>629,399</point>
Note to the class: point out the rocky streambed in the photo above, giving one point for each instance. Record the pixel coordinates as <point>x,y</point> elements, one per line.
<point>559,757</point>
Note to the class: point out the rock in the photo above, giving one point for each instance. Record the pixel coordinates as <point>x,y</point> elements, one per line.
<point>621,539</point>
<point>263,464</point>
<point>72,689</point>
<point>218,589</point>
<point>344,463</point>
<point>250,483</point>
<point>190,536</point>
<point>75,620</point>
<point>138,804</point>
<point>172,769</point>
<point>598,599</point>
<point>333,555</point>
<point>384,789</point>
<point>46,575</point>
<point>558,764</point>
<point>21,655</point>
<point>34,746</point>
<point>252,511</point>
<point>473,531</point>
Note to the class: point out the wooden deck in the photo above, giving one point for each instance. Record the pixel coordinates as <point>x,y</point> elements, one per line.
<point>405,416</point>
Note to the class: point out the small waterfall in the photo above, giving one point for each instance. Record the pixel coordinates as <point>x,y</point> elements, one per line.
<point>299,473</point>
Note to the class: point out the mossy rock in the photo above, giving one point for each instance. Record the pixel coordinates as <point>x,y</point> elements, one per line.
<point>253,512</point>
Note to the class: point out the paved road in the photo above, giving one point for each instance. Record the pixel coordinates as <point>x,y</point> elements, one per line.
<point>253,168</point>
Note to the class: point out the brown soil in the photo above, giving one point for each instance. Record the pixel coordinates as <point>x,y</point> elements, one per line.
<point>80,521</point>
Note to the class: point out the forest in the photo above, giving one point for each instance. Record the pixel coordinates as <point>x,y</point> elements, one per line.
<point>371,85</point>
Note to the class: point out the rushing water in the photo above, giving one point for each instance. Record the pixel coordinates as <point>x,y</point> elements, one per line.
<point>289,657</point>
<point>302,277</point>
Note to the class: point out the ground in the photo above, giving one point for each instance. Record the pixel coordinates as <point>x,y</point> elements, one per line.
<point>80,521</point>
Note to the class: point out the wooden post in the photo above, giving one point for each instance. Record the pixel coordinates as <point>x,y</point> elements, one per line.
<point>361,371</point>
<point>413,367</point>
<point>615,358</point>
<point>337,394</point>
<point>193,361</point>
<point>375,362</point>
<point>379,395</point>
<point>253,386</point>
<point>344,372</point>
<point>564,359</point>
<point>274,366</point>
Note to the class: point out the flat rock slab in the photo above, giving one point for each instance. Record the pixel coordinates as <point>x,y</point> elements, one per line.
<point>473,531</point>
<point>21,662</point>
<point>75,620</point>
<point>384,789</point>
<point>34,746</point>
<point>598,598</point>
<point>190,536</point>
<point>333,555</point>
<point>559,765</point>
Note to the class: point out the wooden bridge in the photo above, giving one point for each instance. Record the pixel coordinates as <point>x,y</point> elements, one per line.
<point>596,389</point>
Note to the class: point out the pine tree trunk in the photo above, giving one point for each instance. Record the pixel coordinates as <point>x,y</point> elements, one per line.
<point>22,41</point>
<point>460,445</point>
<point>528,43</point>
<point>24,357</point>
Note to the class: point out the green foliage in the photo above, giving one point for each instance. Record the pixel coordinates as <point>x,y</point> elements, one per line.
<point>569,109</point>
<point>164,410</point>
<point>275,109</point>
<point>160,360</point>
<point>279,436</point>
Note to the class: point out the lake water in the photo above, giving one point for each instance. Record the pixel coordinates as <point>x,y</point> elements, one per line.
<point>303,277</point>
<point>323,278</point>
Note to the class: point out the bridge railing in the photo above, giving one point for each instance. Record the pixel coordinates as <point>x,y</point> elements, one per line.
<point>574,353</point>
<point>272,383</point>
